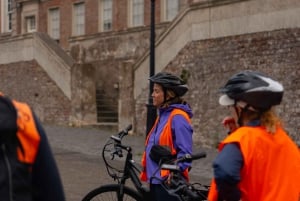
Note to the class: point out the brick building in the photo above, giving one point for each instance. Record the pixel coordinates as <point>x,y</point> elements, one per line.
<point>87,61</point>
<point>63,19</point>
<point>69,22</point>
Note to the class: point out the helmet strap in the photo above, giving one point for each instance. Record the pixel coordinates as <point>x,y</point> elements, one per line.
<point>240,122</point>
<point>165,95</point>
<point>240,115</point>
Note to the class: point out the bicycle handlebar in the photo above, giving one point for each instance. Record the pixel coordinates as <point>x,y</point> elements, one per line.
<point>178,185</point>
<point>173,167</point>
<point>118,146</point>
<point>125,131</point>
<point>191,157</point>
<point>121,134</point>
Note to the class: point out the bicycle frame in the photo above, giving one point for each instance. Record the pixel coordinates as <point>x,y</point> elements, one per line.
<point>130,171</point>
<point>178,186</point>
<point>140,192</point>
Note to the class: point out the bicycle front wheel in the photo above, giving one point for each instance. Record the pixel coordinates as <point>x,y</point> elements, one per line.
<point>110,193</point>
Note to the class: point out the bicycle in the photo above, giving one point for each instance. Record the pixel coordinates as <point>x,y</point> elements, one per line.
<point>119,191</point>
<point>178,186</point>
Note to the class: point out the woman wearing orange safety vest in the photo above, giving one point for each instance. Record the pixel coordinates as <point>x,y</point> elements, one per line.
<point>257,161</point>
<point>172,129</point>
<point>28,169</point>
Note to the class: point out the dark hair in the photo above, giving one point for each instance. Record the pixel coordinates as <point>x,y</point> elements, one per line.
<point>173,99</point>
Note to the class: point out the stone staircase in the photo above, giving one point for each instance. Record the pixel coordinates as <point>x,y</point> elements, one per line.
<point>107,109</point>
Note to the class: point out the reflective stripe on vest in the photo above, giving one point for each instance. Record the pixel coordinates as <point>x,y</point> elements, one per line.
<point>267,175</point>
<point>165,139</point>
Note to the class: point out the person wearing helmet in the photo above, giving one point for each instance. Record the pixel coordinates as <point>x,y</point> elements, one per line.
<point>257,160</point>
<point>172,129</point>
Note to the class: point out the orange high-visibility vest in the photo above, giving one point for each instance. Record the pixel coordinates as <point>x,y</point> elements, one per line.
<point>27,133</point>
<point>165,139</point>
<point>271,169</point>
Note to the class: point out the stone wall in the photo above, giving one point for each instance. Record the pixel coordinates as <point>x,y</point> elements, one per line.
<point>211,62</point>
<point>220,46</point>
<point>83,102</point>
<point>106,52</point>
<point>28,82</point>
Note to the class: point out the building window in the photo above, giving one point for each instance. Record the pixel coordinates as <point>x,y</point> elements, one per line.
<point>170,9</point>
<point>6,15</point>
<point>9,14</point>
<point>136,12</point>
<point>30,24</point>
<point>79,19</point>
<point>106,10</point>
<point>54,23</point>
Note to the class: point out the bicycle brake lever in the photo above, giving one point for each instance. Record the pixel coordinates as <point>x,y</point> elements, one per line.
<point>125,131</point>
<point>172,167</point>
<point>115,138</point>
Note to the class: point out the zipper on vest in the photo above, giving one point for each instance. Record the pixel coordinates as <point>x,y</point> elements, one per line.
<point>9,172</point>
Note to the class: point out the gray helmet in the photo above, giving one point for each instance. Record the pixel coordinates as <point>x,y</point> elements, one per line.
<point>253,88</point>
<point>169,81</point>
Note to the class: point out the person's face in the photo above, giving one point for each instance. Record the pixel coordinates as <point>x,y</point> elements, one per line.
<point>157,95</point>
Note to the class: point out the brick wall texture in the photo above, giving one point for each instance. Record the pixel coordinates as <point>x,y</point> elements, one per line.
<point>28,82</point>
<point>211,62</point>
<point>119,13</point>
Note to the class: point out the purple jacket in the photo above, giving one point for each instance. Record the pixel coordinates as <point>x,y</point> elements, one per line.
<point>182,132</point>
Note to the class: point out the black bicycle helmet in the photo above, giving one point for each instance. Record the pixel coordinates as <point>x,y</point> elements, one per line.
<point>169,81</point>
<point>254,88</point>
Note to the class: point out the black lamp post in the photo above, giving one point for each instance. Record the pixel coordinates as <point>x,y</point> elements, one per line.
<point>151,110</point>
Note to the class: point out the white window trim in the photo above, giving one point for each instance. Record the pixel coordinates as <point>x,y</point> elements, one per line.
<point>5,17</point>
<point>28,27</point>
<point>50,25</point>
<point>101,16</point>
<point>74,20</point>
<point>131,17</point>
<point>164,10</point>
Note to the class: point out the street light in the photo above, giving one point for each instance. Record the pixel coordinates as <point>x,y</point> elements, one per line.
<point>151,110</point>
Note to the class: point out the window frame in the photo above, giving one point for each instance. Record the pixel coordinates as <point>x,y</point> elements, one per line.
<point>54,28</point>
<point>131,13</point>
<point>105,26</point>
<point>6,16</point>
<point>166,9</point>
<point>78,25</point>
<point>28,23</point>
